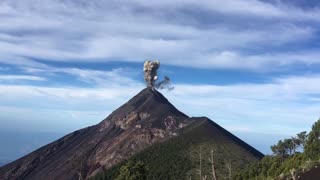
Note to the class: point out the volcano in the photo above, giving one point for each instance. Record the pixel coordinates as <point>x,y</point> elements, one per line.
<point>146,121</point>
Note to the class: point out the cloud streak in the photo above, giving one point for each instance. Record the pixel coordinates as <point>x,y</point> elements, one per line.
<point>21,77</point>
<point>218,36</point>
<point>253,106</point>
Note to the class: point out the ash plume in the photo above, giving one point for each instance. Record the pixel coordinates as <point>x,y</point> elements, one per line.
<point>151,76</point>
<point>150,72</point>
<point>164,84</point>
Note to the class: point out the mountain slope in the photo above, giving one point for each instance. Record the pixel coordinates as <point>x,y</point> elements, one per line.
<point>178,157</point>
<point>147,119</point>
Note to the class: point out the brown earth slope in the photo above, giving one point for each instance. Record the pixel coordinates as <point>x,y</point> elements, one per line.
<point>313,174</point>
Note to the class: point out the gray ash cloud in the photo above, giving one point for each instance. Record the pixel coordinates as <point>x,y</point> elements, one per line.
<point>150,69</point>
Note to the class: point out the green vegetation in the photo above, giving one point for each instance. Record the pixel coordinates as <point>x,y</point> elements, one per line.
<point>312,148</point>
<point>286,160</point>
<point>203,153</point>
<point>132,171</point>
<point>179,157</point>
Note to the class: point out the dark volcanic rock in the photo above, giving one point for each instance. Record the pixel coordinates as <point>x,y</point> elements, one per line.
<point>146,119</point>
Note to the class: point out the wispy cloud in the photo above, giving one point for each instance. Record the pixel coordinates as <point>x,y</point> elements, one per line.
<point>95,78</point>
<point>219,34</point>
<point>21,77</point>
<point>283,103</point>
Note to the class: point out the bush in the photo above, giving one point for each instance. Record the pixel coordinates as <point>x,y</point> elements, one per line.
<point>132,171</point>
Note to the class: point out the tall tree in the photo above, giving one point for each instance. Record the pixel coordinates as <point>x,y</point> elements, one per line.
<point>279,149</point>
<point>296,143</point>
<point>302,137</point>
<point>312,146</point>
<point>212,161</point>
<point>289,145</point>
<point>200,167</point>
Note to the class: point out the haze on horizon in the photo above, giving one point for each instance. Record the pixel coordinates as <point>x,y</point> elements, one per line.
<point>251,66</point>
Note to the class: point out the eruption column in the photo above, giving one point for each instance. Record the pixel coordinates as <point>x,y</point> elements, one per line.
<point>150,72</point>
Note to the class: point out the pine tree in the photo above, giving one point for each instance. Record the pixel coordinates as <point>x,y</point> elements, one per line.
<point>301,139</point>
<point>289,146</point>
<point>280,149</point>
<point>312,147</point>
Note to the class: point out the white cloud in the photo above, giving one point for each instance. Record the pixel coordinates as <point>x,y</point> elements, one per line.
<point>96,78</point>
<point>60,109</point>
<point>235,7</point>
<point>20,61</point>
<point>285,105</point>
<point>100,31</point>
<point>67,93</point>
<point>21,77</point>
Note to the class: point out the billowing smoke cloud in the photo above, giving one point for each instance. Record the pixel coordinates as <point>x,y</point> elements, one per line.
<point>150,72</point>
<point>150,76</point>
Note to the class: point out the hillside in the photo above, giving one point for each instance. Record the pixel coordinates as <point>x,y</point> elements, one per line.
<point>178,158</point>
<point>147,119</point>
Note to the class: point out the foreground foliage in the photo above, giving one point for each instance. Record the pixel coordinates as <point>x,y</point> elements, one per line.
<point>286,160</point>
<point>132,171</point>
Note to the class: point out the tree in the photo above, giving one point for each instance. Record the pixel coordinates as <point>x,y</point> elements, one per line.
<point>200,166</point>
<point>301,139</point>
<point>212,161</point>
<point>133,171</point>
<point>293,173</point>
<point>280,165</point>
<point>200,163</point>
<point>312,146</point>
<point>280,149</point>
<point>229,168</point>
<point>296,143</point>
<point>79,165</point>
<point>289,146</point>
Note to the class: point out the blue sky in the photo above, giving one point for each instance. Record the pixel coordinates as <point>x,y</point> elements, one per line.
<point>251,66</point>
